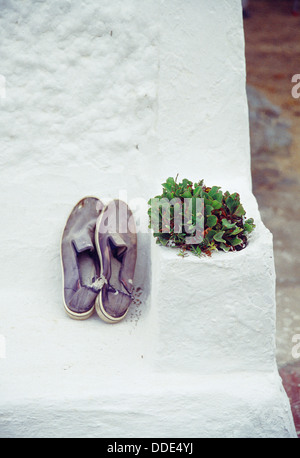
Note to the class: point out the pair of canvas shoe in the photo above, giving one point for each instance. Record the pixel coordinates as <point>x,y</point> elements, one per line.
<point>98,254</point>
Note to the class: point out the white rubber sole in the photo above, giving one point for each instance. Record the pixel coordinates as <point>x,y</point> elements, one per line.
<point>79,316</point>
<point>103,314</point>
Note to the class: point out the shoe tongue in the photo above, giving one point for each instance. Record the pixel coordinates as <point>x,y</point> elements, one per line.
<point>83,243</point>
<point>118,245</point>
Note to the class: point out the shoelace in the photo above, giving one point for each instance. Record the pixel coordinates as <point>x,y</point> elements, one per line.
<point>98,284</point>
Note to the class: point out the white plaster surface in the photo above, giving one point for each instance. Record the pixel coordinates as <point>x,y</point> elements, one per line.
<point>225,307</point>
<point>109,99</point>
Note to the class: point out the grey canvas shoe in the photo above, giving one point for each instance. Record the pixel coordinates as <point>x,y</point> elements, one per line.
<point>116,243</point>
<point>80,263</point>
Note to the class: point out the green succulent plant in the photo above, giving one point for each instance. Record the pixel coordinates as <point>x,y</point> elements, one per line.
<point>223,219</point>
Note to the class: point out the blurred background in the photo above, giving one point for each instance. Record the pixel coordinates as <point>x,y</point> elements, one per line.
<point>272,48</point>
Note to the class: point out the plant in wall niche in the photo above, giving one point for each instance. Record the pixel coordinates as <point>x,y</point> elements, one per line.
<point>198,219</point>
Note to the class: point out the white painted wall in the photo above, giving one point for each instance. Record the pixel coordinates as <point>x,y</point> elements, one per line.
<point>203,117</point>
<point>107,98</point>
<point>102,98</point>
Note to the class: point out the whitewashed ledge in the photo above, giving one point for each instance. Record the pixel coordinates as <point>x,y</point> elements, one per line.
<point>215,318</point>
<point>243,404</point>
<point>195,359</point>
<point>216,314</point>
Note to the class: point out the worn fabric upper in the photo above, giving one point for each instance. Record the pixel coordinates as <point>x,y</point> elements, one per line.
<point>79,257</point>
<point>117,240</point>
